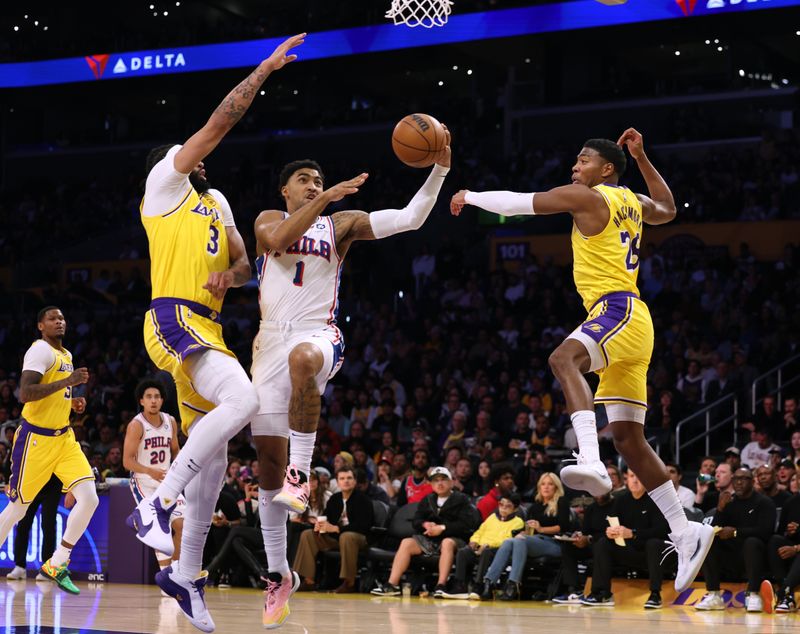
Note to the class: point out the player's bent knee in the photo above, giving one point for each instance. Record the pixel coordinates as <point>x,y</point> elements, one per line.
<point>305,360</point>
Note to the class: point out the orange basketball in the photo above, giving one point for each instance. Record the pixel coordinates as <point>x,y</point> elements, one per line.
<point>417,140</point>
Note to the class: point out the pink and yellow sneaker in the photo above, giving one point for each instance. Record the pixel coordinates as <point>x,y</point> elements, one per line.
<point>295,492</point>
<point>276,598</point>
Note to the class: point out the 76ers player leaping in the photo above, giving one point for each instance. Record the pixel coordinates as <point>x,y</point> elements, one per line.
<point>298,347</point>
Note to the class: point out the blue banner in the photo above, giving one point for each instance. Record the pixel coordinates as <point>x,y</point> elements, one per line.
<point>89,559</point>
<point>560,16</point>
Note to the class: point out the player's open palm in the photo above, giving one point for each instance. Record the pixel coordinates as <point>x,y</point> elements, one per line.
<point>78,377</point>
<point>458,201</point>
<point>634,141</point>
<point>280,56</point>
<point>347,188</point>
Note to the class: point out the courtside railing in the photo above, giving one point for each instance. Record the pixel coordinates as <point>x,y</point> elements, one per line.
<point>772,382</point>
<point>721,412</point>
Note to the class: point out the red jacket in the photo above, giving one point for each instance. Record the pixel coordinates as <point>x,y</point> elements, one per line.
<point>489,503</point>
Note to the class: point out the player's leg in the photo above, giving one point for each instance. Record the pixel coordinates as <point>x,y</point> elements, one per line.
<point>21,538</point>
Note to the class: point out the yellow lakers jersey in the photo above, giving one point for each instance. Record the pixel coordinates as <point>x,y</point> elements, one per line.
<point>186,244</point>
<point>609,261</point>
<point>52,411</point>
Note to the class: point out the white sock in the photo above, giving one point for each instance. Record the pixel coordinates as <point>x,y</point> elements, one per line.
<point>585,426</point>
<point>301,449</point>
<point>666,498</point>
<point>273,528</point>
<point>61,555</point>
<point>193,539</point>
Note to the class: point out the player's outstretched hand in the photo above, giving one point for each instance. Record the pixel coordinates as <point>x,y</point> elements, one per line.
<point>346,188</point>
<point>218,283</point>
<point>443,158</point>
<point>279,57</point>
<point>635,142</point>
<point>458,201</point>
<point>79,405</point>
<point>79,376</point>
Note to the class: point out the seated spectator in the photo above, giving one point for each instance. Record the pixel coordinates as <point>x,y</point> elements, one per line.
<point>456,431</point>
<point>348,519</point>
<point>451,458</point>
<point>791,418</point>
<point>705,499</point>
<point>593,528</point>
<point>535,465</point>
<point>767,482</point>
<point>786,469</point>
<point>113,463</point>
<point>518,437</point>
<point>484,438</point>
<point>318,497</point>
<point>548,516</point>
<point>384,481</point>
<point>756,453</point>
<point>794,450</point>
<point>644,530</point>
<point>784,555</point>
<point>733,457</point>
<point>462,478</point>
<point>685,494</point>
<point>746,522</point>
<point>502,477</point>
<point>369,488</point>
<point>708,465</point>
<point>617,482</point>
<point>483,480</point>
<point>482,546</point>
<point>541,432</point>
<point>444,520</point>
<point>416,485</point>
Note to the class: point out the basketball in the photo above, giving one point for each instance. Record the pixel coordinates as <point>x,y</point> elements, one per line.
<point>417,140</point>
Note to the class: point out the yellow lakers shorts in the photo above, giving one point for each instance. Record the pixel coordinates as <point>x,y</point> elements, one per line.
<point>173,330</point>
<point>37,454</point>
<point>618,334</point>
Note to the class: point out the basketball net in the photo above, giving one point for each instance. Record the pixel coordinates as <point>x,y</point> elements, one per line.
<point>427,13</point>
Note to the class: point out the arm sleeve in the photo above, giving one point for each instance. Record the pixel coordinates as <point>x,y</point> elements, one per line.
<point>38,358</point>
<point>165,187</point>
<point>388,222</point>
<point>503,203</point>
<point>224,207</point>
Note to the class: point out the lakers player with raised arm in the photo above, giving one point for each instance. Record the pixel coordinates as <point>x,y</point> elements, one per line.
<point>299,348</point>
<point>196,255</point>
<point>616,340</point>
<point>45,444</point>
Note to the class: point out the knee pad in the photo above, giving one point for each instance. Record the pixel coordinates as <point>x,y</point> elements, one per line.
<point>270,425</point>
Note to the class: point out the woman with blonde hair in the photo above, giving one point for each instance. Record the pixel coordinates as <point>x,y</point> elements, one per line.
<point>548,516</point>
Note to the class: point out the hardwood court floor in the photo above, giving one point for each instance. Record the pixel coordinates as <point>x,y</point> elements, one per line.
<point>40,608</point>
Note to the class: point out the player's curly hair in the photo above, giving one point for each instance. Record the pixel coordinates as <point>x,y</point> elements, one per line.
<point>611,152</point>
<point>146,384</point>
<point>291,168</point>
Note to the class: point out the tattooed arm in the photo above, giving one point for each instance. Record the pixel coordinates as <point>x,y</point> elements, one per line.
<point>232,108</point>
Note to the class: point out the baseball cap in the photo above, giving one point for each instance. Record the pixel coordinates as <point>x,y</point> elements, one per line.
<point>787,463</point>
<point>734,450</point>
<point>777,451</point>
<point>439,471</point>
<point>322,471</point>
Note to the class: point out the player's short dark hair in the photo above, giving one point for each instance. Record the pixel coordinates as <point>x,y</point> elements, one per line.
<point>146,384</point>
<point>611,152</point>
<point>291,168</point>
<point>675,466</point>
<point>347,468</point>
<point>41,314</point>
<point>499,470</point>
<point>155,155</point>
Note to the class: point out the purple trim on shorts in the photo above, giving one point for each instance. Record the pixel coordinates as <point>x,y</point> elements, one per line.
<point>614,317</point>
<point>160,303</point>
<point>42,431</point>
<point>613,296</point>
<point>16,463</point>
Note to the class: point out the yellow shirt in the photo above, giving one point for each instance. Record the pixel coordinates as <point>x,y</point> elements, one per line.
<point>494,531</point>
<point>609,261</point>
<point>53,364</point>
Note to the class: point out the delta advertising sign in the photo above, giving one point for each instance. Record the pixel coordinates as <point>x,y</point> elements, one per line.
<point>468,27</point>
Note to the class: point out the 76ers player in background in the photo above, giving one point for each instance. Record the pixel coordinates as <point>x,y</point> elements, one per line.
<point>151,444</point>
<point>616,339</point>
<point>298,347</point>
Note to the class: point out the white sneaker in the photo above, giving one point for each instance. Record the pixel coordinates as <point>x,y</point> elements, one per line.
<point>692,546</point>
<point>589,476</point>
<point>189,595</point>
<point>150,520</point>
<point>41,577</point>
<point>711,601</point>
<point>17,574</point>
<point>753,602</point>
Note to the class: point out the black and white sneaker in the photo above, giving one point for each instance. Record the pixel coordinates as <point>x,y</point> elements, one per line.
<point>570,598</point>
<point>599,600</point>
<point>653,602</point>
<point>457,591</point>
<point>439,591</point>
<point>786,602</point>
<point>386,590</point>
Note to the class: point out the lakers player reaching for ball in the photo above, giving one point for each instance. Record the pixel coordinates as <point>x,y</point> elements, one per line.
<point>196,254</point>
<point>299,348</point>
<point>616,340</point>
<point>45,444</point>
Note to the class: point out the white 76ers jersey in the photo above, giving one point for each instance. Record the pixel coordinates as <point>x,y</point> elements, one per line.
<point>302,283</point>
<point>155,449</point>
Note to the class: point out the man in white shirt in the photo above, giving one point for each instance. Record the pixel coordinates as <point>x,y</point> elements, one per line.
<point>757,452</point>
<point>685,494</point>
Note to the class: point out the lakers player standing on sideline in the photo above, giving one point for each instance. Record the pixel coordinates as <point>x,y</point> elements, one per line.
<point>45,444</point>
<point>616,340</point>
<point>151,444</point>
<point>196,254</point>
<point>298,347</point>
